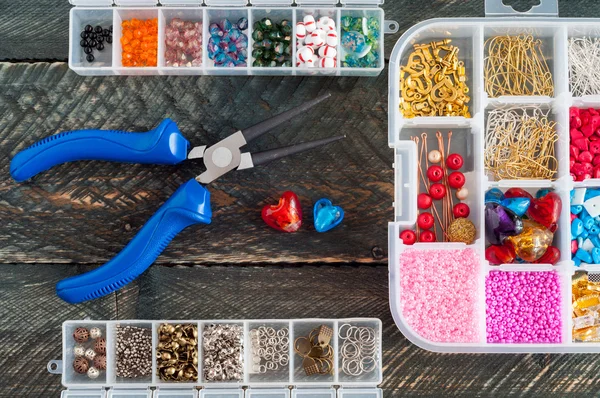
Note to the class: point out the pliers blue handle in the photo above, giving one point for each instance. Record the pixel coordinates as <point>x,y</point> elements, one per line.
<point>189,205</point>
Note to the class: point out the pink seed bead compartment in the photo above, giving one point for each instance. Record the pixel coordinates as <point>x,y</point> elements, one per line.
<point>439,294</point>
<point>523,307</point>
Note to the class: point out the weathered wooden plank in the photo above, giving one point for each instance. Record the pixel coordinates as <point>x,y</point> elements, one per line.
<point>85,212</point>
<point>32,316</point>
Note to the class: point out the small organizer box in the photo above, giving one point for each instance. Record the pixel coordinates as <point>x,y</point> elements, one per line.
<point>470,35</point>
<point>110,60</point>
<point>352,339</point>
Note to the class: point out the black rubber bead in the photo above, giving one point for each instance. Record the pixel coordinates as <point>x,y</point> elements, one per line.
<point>92,35</point>
<point>84,35</point>
<point>100,38</point>
<point>93,43</point>
<point>106,33</point>
<point>100,46</point>
<point>90,58</point>
<point>109,39</point>
<point>87,50</point>
<point>110,28</point>
<point>83,43</point>
<point>98,29</point>
<point>89,28</point>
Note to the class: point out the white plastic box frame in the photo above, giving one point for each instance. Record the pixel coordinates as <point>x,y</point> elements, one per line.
<point>290,383</point>
<point>100,12</point>
<point>469,34</point>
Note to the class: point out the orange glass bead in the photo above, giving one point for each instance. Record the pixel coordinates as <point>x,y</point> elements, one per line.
<point>128,34</point>
<point>124,40</point>
<point>140,42</point>
<point>138,33</point>
<point>135,43</point>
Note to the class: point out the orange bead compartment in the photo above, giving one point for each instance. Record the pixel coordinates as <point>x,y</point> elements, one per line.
<point>139,41</point>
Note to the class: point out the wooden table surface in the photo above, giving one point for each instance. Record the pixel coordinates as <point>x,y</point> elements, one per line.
<point>77,216</point>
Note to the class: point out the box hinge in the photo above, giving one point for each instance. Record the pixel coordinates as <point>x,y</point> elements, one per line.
<point>316,3</point>
<point>91,3</point>
<point>181,3</point>
<point>136,3</point>
<point>226,3</point>
<point>361,3</point>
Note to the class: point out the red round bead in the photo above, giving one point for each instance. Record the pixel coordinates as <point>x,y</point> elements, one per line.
<point>461,210</point>
<point>408,237</point>
<point>425,220</point>
<point>427,236</point>
<point>437,191</point>
<point>454,161</point>
<point>424,201</point>
<point>435,173</point>
<point>456,180</point>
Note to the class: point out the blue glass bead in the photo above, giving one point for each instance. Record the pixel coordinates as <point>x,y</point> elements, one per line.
<point>595,230</point>
<point>326,215</point>
<point>577,261</point>
<point>571,194</point>
<point>225,25</point>
<point>576,228</point>
<point>229,63</point>
<point>596,255</point>
<point>215,30</point>
<point>242,42</point>
<point>351,61</point>
<point>231,48</point>
<point>517,205</point>
<point>371,59</point>
<point>494,195</point>
<point>226,39</point>
<point>588,222</point>
<point>234,34</point>
<point>243,54</point>
<point>354,43</point>
<point>584,235</point>
<point>584,256</point>
<point>576,209</point>
<point>595,240</point>
<point>221,57</point>
<point>542,192</point>
<point>357,25</point>
<point>242,23</point>
<point>346,21</point>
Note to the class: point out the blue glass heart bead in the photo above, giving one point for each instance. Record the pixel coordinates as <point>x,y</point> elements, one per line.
<point>326,215</point>
<point>517,205</point>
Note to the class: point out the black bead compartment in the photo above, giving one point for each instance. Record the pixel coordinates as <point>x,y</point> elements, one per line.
<point>93,39</point>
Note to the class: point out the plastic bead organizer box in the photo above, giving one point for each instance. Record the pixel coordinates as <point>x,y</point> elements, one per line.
<point>469,140</point>
<point>341,351</point>
<point>207,30</point>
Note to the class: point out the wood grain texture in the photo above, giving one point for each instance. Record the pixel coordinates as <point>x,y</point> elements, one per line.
<point>32,317</point>
<point>85,212</point>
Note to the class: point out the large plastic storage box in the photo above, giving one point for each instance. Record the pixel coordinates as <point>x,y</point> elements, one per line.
<point>470,34</point>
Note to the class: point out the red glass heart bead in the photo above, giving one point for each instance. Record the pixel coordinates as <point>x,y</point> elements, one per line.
<point>551,256</point>
<point>497,254</point>
<point>517,193</point>
<point>437,191</point>
<point>427,236</point>
<point>424,201</point>
<point>454,161</point>
<point>408,237</point>
<point>425,221</point>
<point>435,173</point>
<point>286,215</point>
<point>456,180</point>
<point>461,210</point>
<point>546,210</point>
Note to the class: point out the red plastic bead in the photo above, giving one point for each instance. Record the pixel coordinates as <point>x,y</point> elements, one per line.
<point>575,134</point>
<point>596,160</point>
<point>424,201</point>
<point>574,246</point>
<point>596,173</point>
<point>456,180</point>
<point>427,236</point>
<point>435,173</point>
<point>587,130</point>
<point>461,210</point>
<point>425,221</point>
<point>573,151</point>
<point>408,237</point>
<point>585,157</point>
<point>595,147</point>
<point>581,143</point>
<point>455,161</point>
<point>437,191</point>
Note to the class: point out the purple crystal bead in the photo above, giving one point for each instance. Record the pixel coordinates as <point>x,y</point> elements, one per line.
<point>500,223</point>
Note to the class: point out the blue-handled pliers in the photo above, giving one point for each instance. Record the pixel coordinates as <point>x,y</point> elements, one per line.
<point>190,204</point>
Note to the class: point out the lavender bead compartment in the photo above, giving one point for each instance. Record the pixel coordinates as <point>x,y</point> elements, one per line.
<point>270,380</point>
<point>470,35</point>
<point>109,61</point>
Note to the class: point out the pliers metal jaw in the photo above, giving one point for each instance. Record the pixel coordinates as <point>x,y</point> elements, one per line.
<point>189,205</point>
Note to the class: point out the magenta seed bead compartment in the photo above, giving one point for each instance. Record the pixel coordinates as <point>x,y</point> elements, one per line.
<point>109,61</point>
<point>446,297</point>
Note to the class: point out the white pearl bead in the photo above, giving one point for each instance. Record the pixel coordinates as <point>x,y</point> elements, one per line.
<point>434,156</point>
<point>462,193</point>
